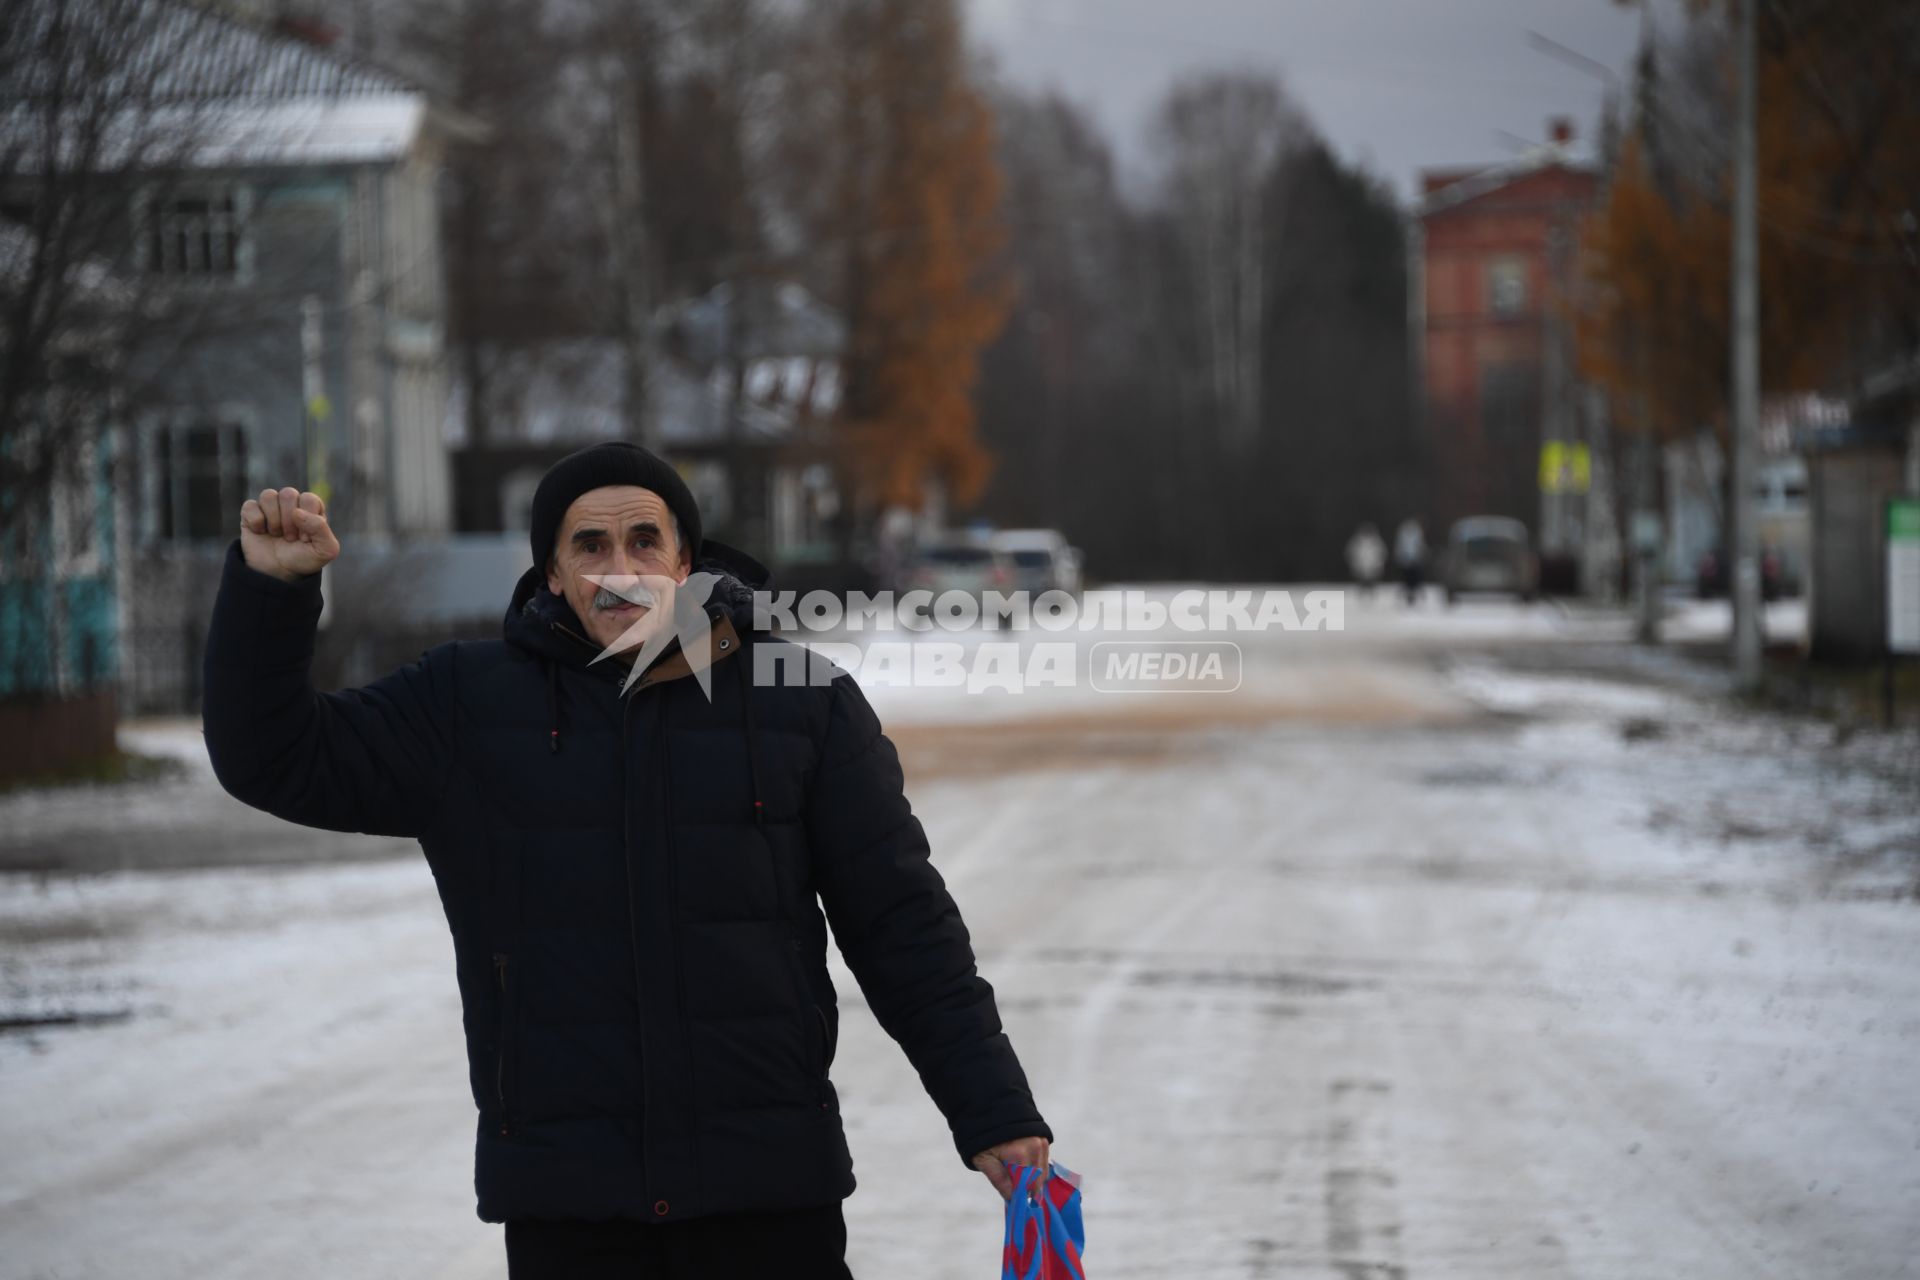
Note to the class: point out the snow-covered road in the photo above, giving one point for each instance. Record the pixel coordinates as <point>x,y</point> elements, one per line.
<point>1472,954</point>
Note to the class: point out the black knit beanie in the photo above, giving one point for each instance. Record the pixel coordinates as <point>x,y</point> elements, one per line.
<point>615,462</point>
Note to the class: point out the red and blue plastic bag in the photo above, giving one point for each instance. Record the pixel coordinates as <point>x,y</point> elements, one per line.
<point>1045,1235</point>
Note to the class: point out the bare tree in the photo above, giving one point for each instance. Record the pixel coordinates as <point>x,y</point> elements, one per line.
<point>1123,347</point>
<point>91,113</point>
<point>111,113</point>
<point>1221,136</point>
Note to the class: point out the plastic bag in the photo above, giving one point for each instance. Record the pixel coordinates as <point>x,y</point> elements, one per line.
<point>1045,1235</point>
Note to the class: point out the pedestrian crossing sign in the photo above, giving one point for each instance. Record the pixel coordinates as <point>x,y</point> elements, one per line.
<point>1565,467</point>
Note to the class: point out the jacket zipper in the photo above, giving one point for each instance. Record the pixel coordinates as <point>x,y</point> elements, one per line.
<point>500,962</point>
<point>633,922</point>
<point>679,971</point>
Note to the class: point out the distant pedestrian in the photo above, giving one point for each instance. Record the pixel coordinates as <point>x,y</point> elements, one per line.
<point>1366,557</point>
<point>1410,557</point>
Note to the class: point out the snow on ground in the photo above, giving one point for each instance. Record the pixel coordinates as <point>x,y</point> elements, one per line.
<point>1430,960</point>
<point>1328,673</point>
<point>1502,690</point>
<point>177,738</point>
<point>182,821</point>
<point>288,1069</point>
<point>1700,620</point>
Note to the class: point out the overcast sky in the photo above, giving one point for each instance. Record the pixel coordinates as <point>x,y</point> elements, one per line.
<point>1399,85</point>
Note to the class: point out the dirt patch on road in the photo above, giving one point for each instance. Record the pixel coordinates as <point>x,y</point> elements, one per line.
<point>977,750</point>
<point>1135,731</point>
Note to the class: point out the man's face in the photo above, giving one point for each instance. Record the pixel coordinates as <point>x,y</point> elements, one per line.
<point>623,536</point>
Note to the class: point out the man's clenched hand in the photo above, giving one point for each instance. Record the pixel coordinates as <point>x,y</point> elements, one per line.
<point>284,533</point>
<point>994,1161</point>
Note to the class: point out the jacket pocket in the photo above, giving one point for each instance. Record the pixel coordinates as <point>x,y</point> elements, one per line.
<point>821,1040</point>
<point>506,1039</point>
<point>813,1026</point>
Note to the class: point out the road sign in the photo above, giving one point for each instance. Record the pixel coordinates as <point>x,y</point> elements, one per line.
<point>1565,467</point>
<point>1903,575</point>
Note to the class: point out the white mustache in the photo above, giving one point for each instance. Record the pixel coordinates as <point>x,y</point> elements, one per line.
<point>607,598</point>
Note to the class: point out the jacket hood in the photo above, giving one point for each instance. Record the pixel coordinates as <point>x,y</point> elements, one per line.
<point>544,624</point>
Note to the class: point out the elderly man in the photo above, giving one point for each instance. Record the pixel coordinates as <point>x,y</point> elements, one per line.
<point>634,866</point>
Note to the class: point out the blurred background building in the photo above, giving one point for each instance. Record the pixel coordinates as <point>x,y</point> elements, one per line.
<point>1507,415</point>
<point>743,403</point>
<point>234,256</point>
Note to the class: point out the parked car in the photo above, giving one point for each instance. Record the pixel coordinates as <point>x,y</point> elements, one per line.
<point>1042,559</point>
<point>1490,554</point>
<point>959,564</point>
<point>1710,576</point>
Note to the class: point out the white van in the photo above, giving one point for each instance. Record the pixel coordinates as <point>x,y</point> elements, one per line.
<point>1042,559</point>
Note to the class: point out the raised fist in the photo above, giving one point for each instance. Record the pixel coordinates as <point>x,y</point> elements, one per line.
<point>284,533</point>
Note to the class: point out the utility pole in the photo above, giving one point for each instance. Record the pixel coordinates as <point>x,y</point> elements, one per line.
<point>1565,516</point>
<point>1745,579</point>
<point>1556,419</point>
<point>1644,524</point>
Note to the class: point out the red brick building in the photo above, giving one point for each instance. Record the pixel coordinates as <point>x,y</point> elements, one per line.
<point>1496,255</point>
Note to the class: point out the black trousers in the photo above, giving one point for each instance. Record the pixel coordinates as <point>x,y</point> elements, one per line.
<point>800,1244</point>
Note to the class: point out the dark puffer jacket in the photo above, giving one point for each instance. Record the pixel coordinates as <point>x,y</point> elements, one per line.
<point>634,884</point>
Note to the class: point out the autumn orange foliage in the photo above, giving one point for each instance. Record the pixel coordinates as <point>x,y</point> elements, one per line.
<point>924,295</point>
<point>1839,152</point>
<point>1654,331</point>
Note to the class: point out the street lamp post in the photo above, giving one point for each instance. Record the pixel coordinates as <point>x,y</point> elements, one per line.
<point>1745,426</point>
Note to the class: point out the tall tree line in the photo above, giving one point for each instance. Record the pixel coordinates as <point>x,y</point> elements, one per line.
<point>1213,380</point>
<point>644,151</point>
<point>1209,379</point>
<point>1838,134</point>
